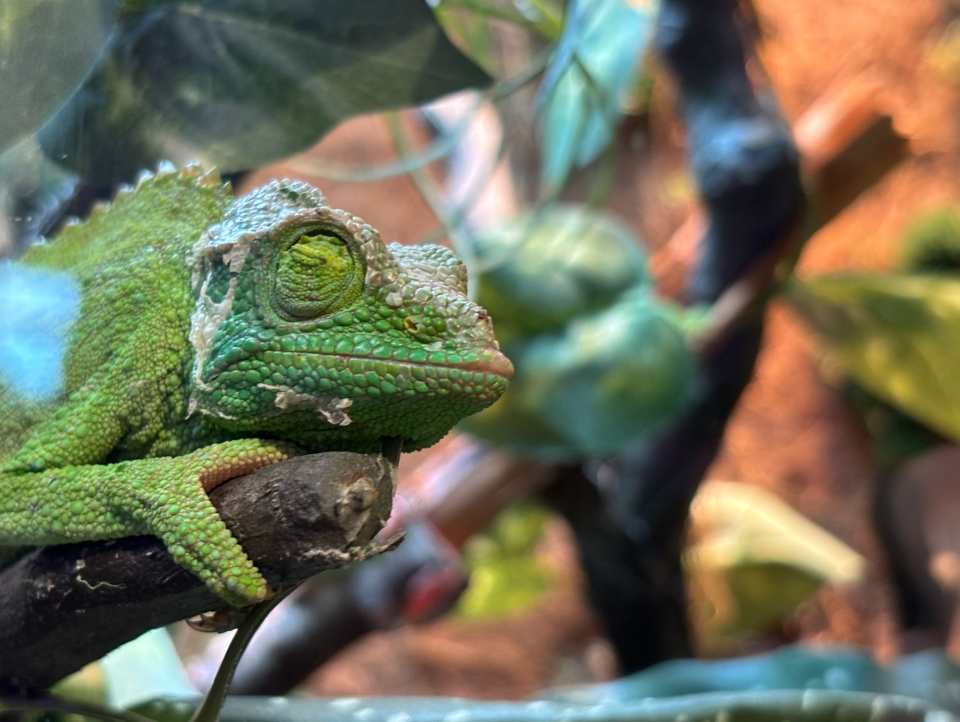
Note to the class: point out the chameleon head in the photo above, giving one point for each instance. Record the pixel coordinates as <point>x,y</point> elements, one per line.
<point>308,327</point>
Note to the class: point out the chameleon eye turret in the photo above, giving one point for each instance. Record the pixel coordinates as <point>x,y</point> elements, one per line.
<point>318,273</point>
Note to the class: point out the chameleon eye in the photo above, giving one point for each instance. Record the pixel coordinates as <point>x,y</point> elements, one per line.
<point>317,275</point>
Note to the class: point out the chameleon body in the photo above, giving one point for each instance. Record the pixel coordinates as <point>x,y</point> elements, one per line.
<point>216,335</point>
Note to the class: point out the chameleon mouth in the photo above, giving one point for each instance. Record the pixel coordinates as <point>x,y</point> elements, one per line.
<point>491,362</point>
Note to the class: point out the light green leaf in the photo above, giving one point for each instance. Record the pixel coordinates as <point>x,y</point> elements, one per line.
<point>898,336</point>
<point>598,360</point>
<point>145,669</point>
<point>46,49</point>
<point>505,575</point>
<point>597,61</point>
<point>754,560</point>
<point>603,381</point>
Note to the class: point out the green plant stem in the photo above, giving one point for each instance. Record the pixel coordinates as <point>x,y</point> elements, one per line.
<point>435,151</point>
<point>209,709</point>
<point>419,177</point>
<point>502,88</point>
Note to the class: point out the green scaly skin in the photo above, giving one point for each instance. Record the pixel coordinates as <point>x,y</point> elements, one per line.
<point>217,335</point>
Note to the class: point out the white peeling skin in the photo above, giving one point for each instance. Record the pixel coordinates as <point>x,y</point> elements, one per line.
<point>330,408</point>
<point>204,322</point>
<point>237,255</point>
<point>333,411</point>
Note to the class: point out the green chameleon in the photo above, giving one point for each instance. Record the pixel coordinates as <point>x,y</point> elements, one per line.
<point>217,335</point>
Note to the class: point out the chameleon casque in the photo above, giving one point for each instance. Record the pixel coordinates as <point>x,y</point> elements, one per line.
<point>217,335</point>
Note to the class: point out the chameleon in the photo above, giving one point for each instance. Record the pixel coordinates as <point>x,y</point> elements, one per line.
<point>216,335</point>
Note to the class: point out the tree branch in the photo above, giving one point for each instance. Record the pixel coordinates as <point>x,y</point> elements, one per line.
<point>747,171</point>
<point>63,607</point>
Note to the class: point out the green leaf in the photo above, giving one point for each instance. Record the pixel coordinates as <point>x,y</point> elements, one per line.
<point>597,61</point>
<point>539,271</point>
<point>46,49</point>
<point>809,705</point>
<point>797,666</point>
<point>605,380</point>
<point>598,360</point>
<point>932,242</point>
<point>898,336</point>
<point>505,574</point>
<point>468,28</point>
<point>241,83</point>
<point>754,560</point>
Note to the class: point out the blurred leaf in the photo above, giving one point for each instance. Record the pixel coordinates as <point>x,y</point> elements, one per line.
<point>145,669</point>
<point>742,524</point>
<point>546,14</point>
<point>597,61</point>
<point>469,29</point>
<point>601,382</point>
<point>896,436</point>
<point>932,243</point>
<point>85,685</point>
<point>809,705</point>
<point>817,670</point>
<point>598,360</point>
<point>501,587</point>
<point>943,54</point>
<point>613,376</point>
<point>238,83</point>
<point>505,575</point>
<point>542,270</point>
<point>754,560</point>
<point>898,336</point>
<point>46,49</point>
<point>795,666</point>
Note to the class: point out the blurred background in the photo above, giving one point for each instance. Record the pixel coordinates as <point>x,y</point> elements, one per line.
<point>719,242</point>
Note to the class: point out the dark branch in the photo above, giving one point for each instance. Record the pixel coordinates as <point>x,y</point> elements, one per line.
<point>747,170</point>
<point>62,607</point>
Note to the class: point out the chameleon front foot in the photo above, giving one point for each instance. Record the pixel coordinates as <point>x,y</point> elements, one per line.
<point>201,543</point>
<point>190,527</point>
<point>165,497</point>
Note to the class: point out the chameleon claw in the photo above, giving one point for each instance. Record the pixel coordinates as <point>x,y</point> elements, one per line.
<point>222,620</point>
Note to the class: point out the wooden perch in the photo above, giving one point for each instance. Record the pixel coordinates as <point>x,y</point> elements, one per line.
<point>65,606</point>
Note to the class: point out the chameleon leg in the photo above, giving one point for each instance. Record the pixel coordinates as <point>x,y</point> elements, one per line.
<point>165,497</point>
